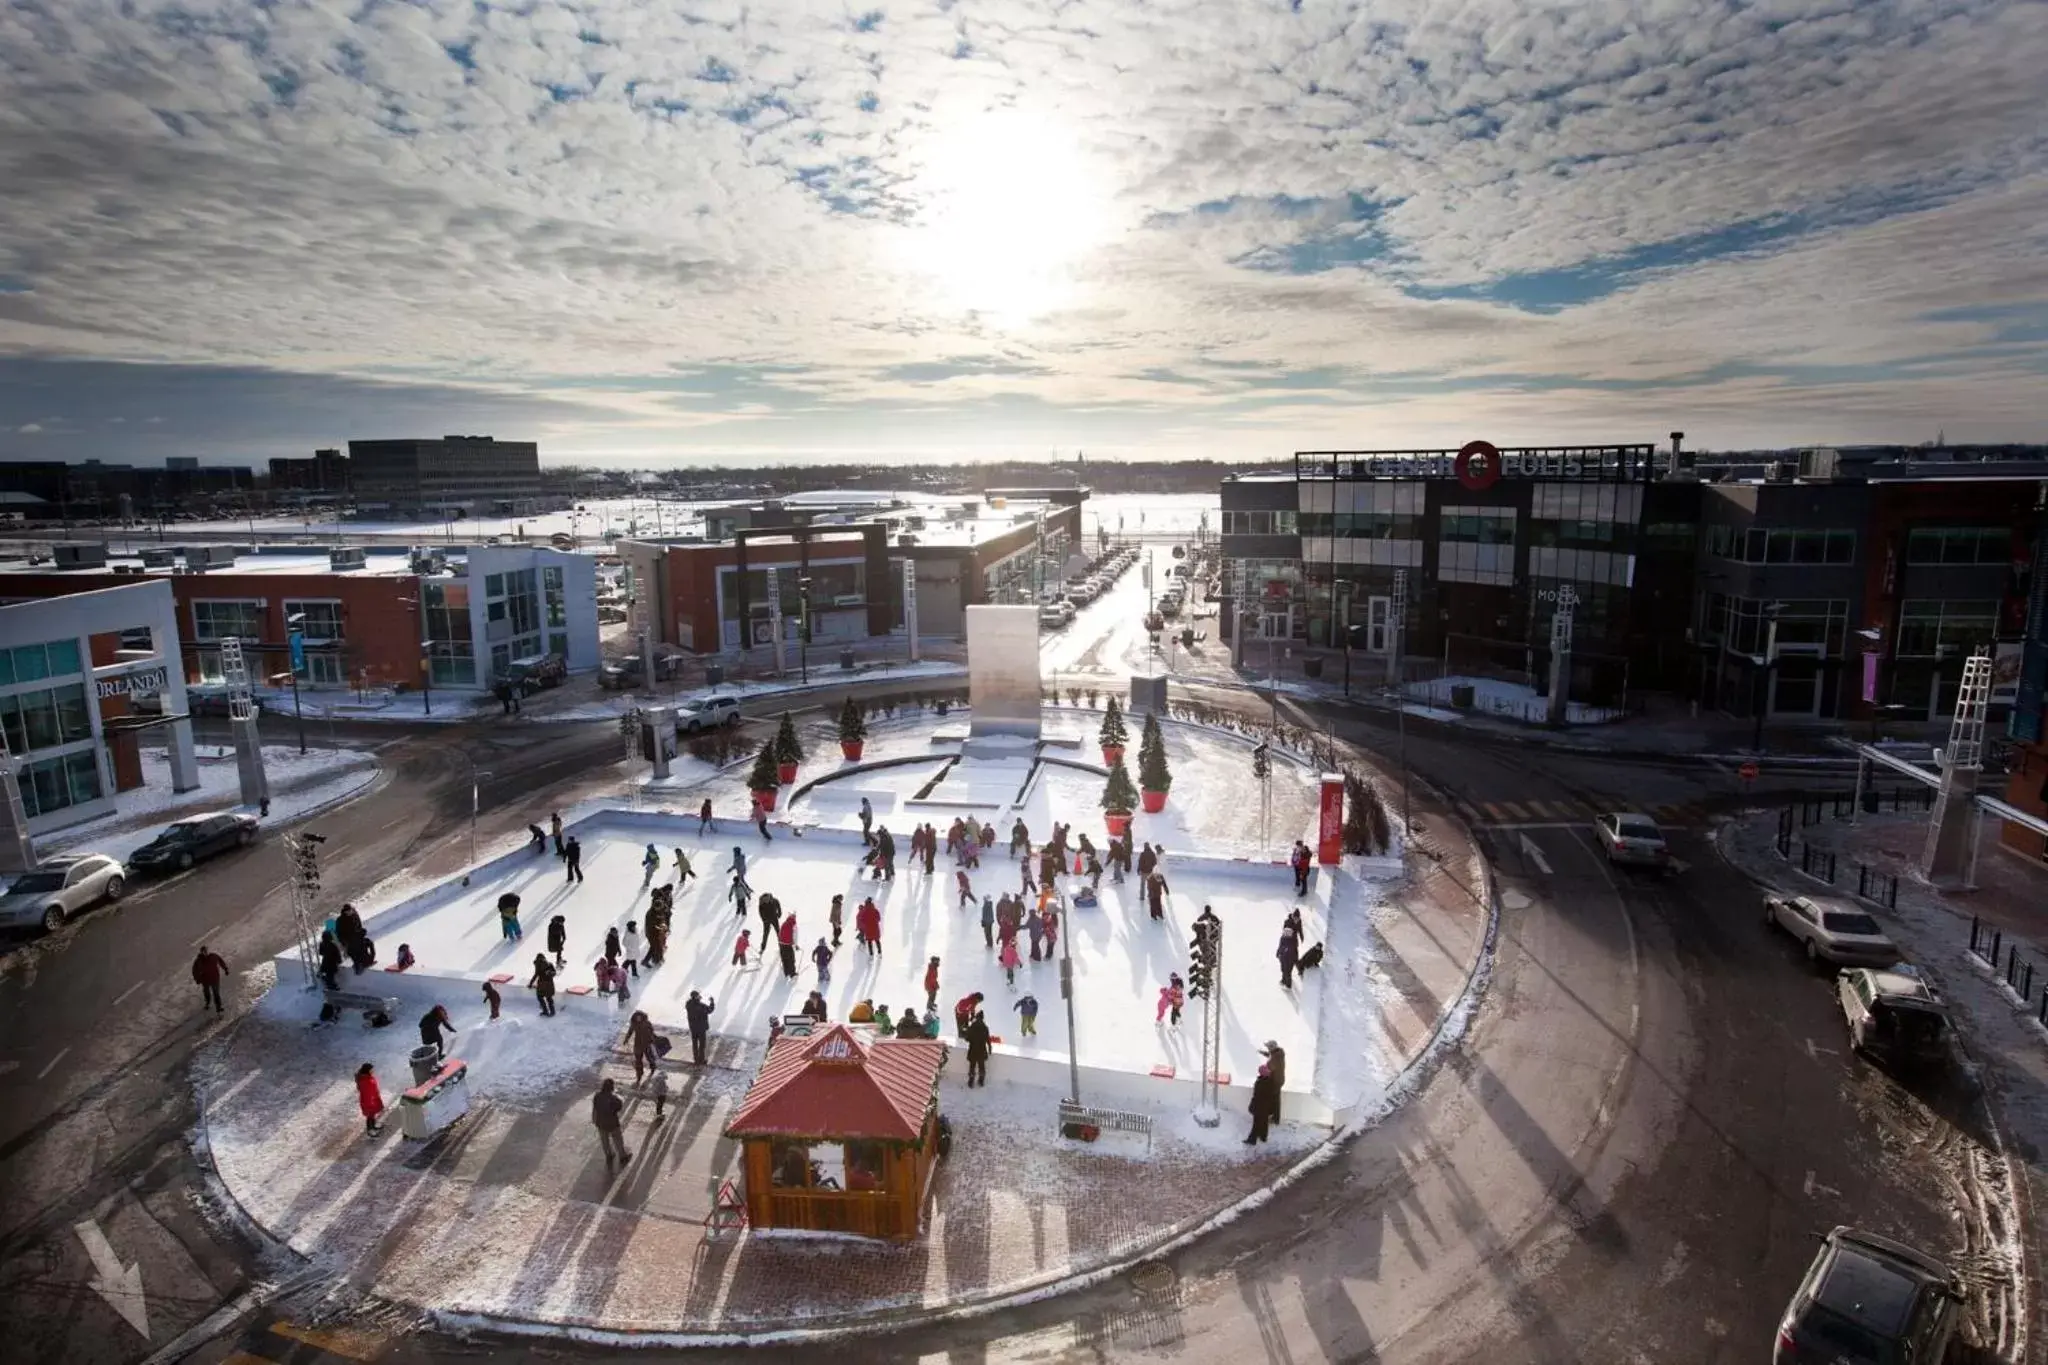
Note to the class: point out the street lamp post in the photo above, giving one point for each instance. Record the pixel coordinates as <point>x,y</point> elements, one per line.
<point>803,626</point>
<point>1067,993</point>
<point>427,676</point>
<point>475,804</point>
<point>295,655</point>
<point>1765,664</point>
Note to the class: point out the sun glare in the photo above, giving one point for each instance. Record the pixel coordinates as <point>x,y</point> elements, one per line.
<point>1011,204</point>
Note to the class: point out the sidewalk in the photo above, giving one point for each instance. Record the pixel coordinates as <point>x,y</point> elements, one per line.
<point>510,1221</point>
<point>2002,1034</point>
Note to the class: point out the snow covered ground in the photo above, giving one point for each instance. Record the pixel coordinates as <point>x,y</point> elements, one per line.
<point>298,783</point>
<point>1121,956</point>
<point>1508,700</point>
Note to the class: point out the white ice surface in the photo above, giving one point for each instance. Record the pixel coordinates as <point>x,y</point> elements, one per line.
<point>1495,697</point>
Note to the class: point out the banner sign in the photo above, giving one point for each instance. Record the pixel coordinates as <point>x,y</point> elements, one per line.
<point>1869,675</point>
<point>1330,827</point>
<point>298,639</point>
<point>142,683</point>
<point>1479,465</point>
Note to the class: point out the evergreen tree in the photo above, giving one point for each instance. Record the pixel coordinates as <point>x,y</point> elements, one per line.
<point>853,727</point>
<point>1113,734</point>
<point>1153,774</point>
<point>788,748</point>
<point>1359,804</point>
<point>1118,795</point>
<point>763,778</point>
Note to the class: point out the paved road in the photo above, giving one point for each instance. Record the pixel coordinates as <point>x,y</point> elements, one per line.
<point>1652,1113</point>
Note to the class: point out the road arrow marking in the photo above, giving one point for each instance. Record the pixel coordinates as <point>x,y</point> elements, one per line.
<point>122,1289</point>
<point>1535,855</point>
<point>1814,1187</point>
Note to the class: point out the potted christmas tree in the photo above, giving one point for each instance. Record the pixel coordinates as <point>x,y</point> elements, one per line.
<point>1113,735</point>
<point>762,781</point>
<point>789,750</point>
<point>1119,799</point>
<point>1153,775</point>
<point>853,730</point>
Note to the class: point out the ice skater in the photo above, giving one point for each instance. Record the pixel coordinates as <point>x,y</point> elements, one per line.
<point>650,863</point>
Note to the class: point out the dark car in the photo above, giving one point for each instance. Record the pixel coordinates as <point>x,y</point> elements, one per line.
<point>1894,1014</point>
<point>626,672</point>
<point>1867,1300</point>
<point>193,840</point>
<point>531,674</point>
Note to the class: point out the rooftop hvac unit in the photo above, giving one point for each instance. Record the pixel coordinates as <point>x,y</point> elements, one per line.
<point>159,558</point>
<point>906,540</point>
<point>347,557</point>
<point>1819,464</point>
<point>123,570</point>
<point>80,555</point>
<point>201,557</point>
<point>1774,472</point>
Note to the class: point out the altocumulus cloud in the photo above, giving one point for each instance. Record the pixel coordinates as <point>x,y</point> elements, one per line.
<point>637,226</point>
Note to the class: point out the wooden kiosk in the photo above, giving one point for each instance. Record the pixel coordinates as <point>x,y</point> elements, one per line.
<point>840,1131</point>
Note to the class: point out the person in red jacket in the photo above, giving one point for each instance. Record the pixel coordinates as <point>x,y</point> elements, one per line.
<point>207,969</point>
<point>931,985</point>
<point>867,926</point>
<point>785,939</point>
<point>368,1097</point>
<point>963,1011</point>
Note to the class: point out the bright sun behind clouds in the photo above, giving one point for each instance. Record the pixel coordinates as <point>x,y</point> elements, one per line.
<point>1011,205</point>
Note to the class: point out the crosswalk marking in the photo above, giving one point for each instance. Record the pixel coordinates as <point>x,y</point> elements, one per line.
<point>1562,814</point>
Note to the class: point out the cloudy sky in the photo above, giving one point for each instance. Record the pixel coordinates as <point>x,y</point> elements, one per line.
<point>695,228</point>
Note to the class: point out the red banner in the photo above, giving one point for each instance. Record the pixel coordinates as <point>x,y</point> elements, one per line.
<point>1330,831</point>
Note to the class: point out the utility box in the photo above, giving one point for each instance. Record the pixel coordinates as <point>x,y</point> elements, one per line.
<point>1148,694</point>
<point>433,1104</point>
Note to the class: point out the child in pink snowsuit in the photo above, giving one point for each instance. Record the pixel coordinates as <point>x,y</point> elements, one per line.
<point>1165,1004</point>
<point>739,949</point>
<point>1010,960</point>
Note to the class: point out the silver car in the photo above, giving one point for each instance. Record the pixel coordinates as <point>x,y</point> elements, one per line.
<point>59,888</point>
<point>707,713</point>
<point>1831,929</point>
<point>1633,840</point>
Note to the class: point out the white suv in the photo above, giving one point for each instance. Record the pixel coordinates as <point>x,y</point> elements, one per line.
<point>59,888</point>
<point>707,713</point>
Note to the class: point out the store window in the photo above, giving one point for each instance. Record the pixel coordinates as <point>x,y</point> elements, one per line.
<point>32,663</point>
<point>1281,523</point>
<point>52,784</point>
<point>219,620</point>
<point>1930,629</point>
<point>1781,545</point>
<point>45,718</point>
<point>451,654</point>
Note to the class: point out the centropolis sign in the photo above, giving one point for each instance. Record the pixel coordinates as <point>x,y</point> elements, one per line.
<point>1479,464</point>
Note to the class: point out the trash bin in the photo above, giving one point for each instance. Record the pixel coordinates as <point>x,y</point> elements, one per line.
<point>428,1108</point>
<point>1461,696</point>
<point>1312,667</point>
<point>714,674</point>
<point>425,1062</point>
<point>846,659</point>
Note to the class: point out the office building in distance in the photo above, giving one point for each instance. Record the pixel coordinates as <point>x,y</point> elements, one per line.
<point>451,476</point>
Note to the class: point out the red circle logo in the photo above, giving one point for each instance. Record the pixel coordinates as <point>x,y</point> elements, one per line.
<point>1478,465</point>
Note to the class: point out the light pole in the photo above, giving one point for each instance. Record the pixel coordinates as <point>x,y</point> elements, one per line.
<point>1067,993</point>
<point>1764,667</point>
<point>475,804</point>
<point>296,657</point>
<point>1398,609</point>
<point>803,626</point>
<point>427,675</point>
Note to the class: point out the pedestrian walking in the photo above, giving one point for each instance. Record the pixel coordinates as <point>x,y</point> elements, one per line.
<point>657,935</point>
<point>508,916</point>
<point>369,1098</point>
<point>433,1024</point>
<point>543,983</point>
<point>1265,1106</point>
<point>1299,860</point>
<point>683,871</point>
<point>867,823</point>
<point>697,1010</point>
<point>1026,880</point>
<point>704,818</point>
<point>207,969</point>
<point>555,829</point>
<point>1049,920</point>
<point>613,949</point>
<point>761,818</point>
<point>822,956</point>
<point>867,926</point>
<point>885,853</point>
<point>1289,952</point>
<point>607,1112</point>
<point>1036,928</point>
<point>629,947</point>
<point>739,891</point>
<point>660,1089</point>
<point>1010,961</point>
<point>1020,840</point>
<point>931,984</point>
<point>1155,894</point>
<point>330,960</point>
<point>650,863</point>
<point>640,1042</point>
<point>1177,997</point>
<point>558,940</point>
<point>988,922</point>
<point>966,889</point>
<point>1276,1062</point>
<point>977,1050</point>
<point>572,856</point>
<point>739,947</point>
<point>835,917</point>
<point>738,867</point>
<point>493,999</point>
<point>1027,1014</point>
<point>785,942</point>
<point>963,1012</point>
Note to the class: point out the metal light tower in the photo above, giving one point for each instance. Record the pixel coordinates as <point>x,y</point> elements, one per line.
<point>1399,610</point>
<point>302,861</point>
<point>18,851</point>
<point>1561,654</point>
<point>1206,981</point>
<point>234,672</point>
<point>1952,831</point>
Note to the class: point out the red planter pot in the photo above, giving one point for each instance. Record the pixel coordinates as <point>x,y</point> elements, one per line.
<point>785,773</point>
<point>1154,802</point>
<point>1119,823</point>
<point>766,800</point>
<point>851,748</point>
<point>1110,754</point>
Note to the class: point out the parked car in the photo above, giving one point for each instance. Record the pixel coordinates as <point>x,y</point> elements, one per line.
<point>1869,1299</point>
<point>58,888</point>
<point>193,840</point>
<point>534,672</point>
<point>1894,1014</point>
<point>1633,841</point>
<point>1831,930</point>
<point>214,703</point>
<point>622,673</point>
<point>707,713</point>
<point>1053,615</point>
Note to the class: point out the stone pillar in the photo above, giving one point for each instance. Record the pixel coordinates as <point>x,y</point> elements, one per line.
<point>17,849</point>
<point>163,637</point>
<point>248,760</point>
<point>1951,830</point>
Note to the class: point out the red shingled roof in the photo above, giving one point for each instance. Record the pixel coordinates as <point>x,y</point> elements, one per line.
<point>837,1085</point>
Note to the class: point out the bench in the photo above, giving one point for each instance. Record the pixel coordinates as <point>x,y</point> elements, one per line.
<point>1085,1121</point>
<point>377,1010</point>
